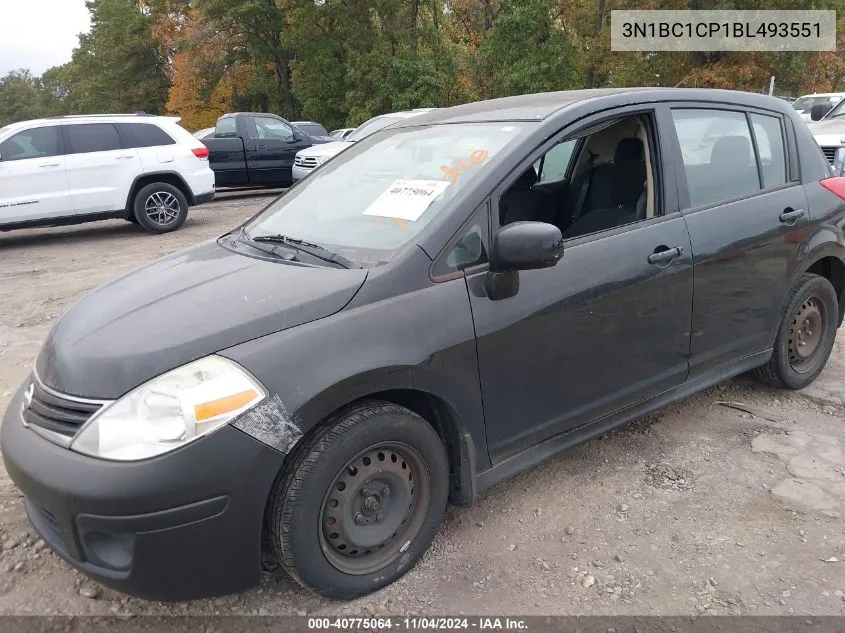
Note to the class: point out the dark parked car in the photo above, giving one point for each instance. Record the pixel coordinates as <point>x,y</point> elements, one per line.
<point>254,149</point>
<point>446,303</point>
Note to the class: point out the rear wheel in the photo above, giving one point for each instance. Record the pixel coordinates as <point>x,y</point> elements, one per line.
<point>160,207</point>
<point>361,503</point>
<point>805,335</point>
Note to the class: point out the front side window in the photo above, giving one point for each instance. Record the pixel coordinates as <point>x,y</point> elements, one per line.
<point>718,154</point>
<point>269,128</point>
<point>769,136</point>
<point>92,137</point>
<point>40,142</point>
<point>375,197</point>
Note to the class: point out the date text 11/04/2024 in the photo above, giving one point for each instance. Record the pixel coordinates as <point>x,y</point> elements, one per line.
<point>417,623</point>
<point>742,30</point>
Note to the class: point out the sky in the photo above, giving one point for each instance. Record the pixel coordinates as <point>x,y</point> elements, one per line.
<point>39,34</point>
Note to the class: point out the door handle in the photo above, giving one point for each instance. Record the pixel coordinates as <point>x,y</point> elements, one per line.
<point>790,215</point>
<point>662,254</point>
<point>49,164</point>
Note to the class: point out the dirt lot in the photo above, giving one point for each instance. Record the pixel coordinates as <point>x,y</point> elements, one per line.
<point>701,508</point>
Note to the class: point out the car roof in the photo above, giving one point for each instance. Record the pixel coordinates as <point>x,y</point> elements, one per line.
<point>90,118</point>
<point>543,105</point>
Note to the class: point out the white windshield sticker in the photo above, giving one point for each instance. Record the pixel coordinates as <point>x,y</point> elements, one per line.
<point>407,199</point>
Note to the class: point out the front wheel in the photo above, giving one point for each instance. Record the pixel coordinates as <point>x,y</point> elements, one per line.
<point>160,207</point>
<point>805,335</point>
<point>361,503</point>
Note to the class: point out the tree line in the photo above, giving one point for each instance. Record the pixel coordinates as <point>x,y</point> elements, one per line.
<point>341,61</point>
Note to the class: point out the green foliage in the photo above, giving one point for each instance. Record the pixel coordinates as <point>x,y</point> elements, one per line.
<point>525,51</point>
<point>20,97</point>
<point>342,61</point>
<point>117,67</point>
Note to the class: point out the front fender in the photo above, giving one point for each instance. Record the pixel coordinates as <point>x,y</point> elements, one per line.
<point>423,340</point>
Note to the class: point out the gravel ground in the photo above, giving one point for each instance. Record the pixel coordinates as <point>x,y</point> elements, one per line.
<point>701,508</point>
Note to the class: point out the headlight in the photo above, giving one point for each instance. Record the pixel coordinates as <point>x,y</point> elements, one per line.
<point>321,159</point>
<point>170,411</point>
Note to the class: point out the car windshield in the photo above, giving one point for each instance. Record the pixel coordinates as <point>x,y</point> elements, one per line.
<point>837,111</point>
<point>372,126</point>
<point>375,197</point>
<point>805,104</point>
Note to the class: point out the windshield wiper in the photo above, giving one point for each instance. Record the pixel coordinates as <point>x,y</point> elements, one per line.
<point>315,250</point>
<point>266,248</point>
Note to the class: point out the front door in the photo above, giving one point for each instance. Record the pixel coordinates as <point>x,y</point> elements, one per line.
<point>607,327</point>
<point>33,180</point>
<point>276,145</point>
<point>748,217</point>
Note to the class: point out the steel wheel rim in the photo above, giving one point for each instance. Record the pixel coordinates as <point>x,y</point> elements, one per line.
<point>805,334</point>
<point>363,528</point>
<point>162,208</point>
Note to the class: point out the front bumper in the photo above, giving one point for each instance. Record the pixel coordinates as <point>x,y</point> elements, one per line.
<point>298,172</point>
<point>181,526</point>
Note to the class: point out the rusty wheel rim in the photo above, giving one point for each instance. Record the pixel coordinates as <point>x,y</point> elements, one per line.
<point>805,334</point>
<point>374,508</point>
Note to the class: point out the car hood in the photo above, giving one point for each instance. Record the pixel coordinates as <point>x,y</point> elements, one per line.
<point>181,308</point>
<point>829,127</point>
<point>325,150</point>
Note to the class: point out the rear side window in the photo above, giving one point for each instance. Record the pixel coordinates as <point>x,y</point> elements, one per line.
<point>91,137</point>
<point>226,128</point>
<point>144,135</point>
<point>768,133</point>
<point>718,154</point>
<point>40,142</point>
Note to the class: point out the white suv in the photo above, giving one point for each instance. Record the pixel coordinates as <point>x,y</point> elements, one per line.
<point>67,170</point>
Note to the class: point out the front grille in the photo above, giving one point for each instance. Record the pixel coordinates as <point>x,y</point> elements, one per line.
<point>56,412</point>
<point>829,153</point>
<point>305,161</point>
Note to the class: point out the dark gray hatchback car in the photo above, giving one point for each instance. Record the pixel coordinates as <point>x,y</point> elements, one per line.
<point>403,328</point>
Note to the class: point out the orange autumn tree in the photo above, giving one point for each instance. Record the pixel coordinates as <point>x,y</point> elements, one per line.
<point>204,86</point>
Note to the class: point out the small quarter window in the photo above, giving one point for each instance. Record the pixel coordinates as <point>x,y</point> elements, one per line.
<point>718,154</point>
<point>769,136</point>
<point>553,166</point>
<point>469,250</point>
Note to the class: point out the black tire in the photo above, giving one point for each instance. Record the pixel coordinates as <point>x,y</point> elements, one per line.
<point>160,207</point>
<point>313,513</point>
<point>805,335</point>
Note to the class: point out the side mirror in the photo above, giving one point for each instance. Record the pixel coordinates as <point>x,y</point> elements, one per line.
<point>839,162</point>
<point>526,246</point>
<point>818,111</point>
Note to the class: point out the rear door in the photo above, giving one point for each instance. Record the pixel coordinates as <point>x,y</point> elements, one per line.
<point>100,171</point>
<point>156,148</point>
<point>33,179</point>
<point>747,215</point>
<point>276,145</point>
